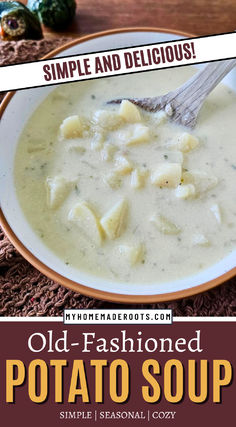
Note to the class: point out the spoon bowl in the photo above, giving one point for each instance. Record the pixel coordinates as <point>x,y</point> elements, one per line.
<point>183,104</point>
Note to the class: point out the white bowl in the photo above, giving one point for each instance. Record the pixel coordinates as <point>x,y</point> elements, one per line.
<point>16,110</point>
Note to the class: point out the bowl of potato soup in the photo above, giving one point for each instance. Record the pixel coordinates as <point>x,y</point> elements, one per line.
<point>115,202</point>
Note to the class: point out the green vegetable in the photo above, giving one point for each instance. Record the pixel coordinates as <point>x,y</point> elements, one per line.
<point>53,13</point>
<point>17,22</point>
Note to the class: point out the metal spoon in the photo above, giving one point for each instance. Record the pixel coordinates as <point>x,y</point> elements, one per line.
<point>183,104</point>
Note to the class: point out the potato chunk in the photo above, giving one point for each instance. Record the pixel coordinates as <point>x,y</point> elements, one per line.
<point>186,142</point>
<point>113,222</point>
<point>174,156</point>
<point>167,175</point>
<point>201,180</point>
<point>97,141</point>
<point>137,178</point>
<point>71,127</point>
<point>112,179</point>
<point>215,209</point>
<point>109,120</point>
<point>58,189</point>
<point>108,152</point>
<point>129,112</point>
<point>160,117</point>
<point>137,134</point>
<point>164,225</point>
<point>185,191</point>
<point>123,166</point>
<point>200,240</point>
<point>74,147</point>
<point>35,148</point>
<point>133,254</point>
<point>84,217</point>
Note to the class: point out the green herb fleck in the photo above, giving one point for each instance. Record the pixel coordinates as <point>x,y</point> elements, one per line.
<point>77,189</point>
<point>43,165</point>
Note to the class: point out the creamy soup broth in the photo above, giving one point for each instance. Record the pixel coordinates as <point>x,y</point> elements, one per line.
<point>102,198</point>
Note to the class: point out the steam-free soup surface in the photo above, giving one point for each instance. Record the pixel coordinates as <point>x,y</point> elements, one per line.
<point>124,194</point>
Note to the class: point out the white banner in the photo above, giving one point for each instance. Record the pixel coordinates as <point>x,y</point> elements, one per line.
<point>59,319</point>
<point>117,62</point>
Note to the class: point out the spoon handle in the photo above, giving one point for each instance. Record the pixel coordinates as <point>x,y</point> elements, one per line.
<point>186,101</point>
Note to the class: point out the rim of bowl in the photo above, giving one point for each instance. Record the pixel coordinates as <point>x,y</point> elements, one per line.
<point>78,287</point>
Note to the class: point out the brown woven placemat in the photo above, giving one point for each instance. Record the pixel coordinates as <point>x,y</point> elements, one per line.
<point>26,292</point>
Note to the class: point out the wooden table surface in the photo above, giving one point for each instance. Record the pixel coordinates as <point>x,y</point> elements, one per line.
<point>199,17</point>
